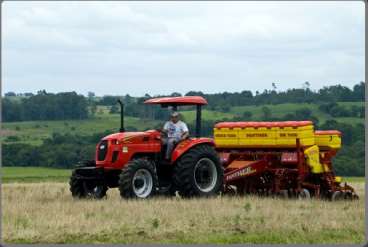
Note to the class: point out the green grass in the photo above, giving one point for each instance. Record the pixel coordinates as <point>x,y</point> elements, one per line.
<point>34,132</point>
<point>190,116</point>
<point>34,174</point>
<point>42,174</point>
<point>354,179</point>
<point>348,104</point>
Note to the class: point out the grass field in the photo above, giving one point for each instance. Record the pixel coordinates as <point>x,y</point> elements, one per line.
<point>33,132</point>
<point>34,174</point>
<point>33,195</point>
<point>46,213</point>
<point>44,174</point>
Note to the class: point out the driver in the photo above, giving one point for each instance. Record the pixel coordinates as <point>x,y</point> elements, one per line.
<point>176,131</point>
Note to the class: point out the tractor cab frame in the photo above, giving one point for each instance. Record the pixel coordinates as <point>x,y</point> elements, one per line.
<point>174,102</point>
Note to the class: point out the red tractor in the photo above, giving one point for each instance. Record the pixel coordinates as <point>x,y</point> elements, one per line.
<point>265,158</point>
<point>134,162</point>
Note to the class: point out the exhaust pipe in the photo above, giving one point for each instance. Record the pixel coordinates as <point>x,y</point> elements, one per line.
<point>122,129</point>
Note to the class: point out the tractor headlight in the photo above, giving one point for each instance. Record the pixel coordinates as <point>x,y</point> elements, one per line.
<point>125,149</point>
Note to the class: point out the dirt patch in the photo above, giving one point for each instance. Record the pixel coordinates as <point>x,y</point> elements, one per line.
<point>7,132</point>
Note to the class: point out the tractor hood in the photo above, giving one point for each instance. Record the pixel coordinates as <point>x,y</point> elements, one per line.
<point>130,136</point>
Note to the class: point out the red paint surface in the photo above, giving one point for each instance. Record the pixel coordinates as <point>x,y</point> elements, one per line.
<point>327,132</point>
<point>263,124</point>
<point>135,142</point>
<point>185,145</point>
<point>185,100</point>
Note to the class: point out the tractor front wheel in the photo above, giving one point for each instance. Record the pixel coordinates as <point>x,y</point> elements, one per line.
<point>199,172</point>
<point>86,188</point>
<point>138,179</point>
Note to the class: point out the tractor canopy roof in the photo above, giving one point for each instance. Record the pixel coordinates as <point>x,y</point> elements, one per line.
<point>175,101</point>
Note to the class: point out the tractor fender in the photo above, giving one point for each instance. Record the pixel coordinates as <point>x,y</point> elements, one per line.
<point>187,144</point>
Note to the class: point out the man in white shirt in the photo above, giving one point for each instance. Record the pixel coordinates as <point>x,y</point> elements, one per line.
<point>176,131</point>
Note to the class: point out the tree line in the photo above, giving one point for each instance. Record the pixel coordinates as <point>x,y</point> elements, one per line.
<point>224,101</point>
<point>45,106</point>
<point>70,105</point>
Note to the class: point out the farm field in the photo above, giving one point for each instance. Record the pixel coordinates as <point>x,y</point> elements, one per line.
<point>45,213</point>
<point>34,174</point>
<point>44,174</point>
<point>33,132</point>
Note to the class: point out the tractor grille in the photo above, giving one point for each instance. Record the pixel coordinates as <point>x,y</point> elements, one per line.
<point>114,156</point>
<point>102,150</point>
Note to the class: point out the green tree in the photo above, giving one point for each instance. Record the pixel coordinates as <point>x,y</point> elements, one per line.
<point>114,109</point>
<point>303,114</point>
<point>266,113</point>
<point>247,115</point>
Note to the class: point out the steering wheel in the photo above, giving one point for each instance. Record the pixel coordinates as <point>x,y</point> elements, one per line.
<point>163,134</point>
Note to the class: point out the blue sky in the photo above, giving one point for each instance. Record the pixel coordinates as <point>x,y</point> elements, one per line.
<point>161,47</point>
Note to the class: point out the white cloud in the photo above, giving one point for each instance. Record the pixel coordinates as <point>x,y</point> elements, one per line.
<point>160,47</point>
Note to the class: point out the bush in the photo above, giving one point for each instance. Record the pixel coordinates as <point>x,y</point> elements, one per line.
<point>266,113</point>
<point>131,128</point>
<point>114,109</point>
<point>303,113</point>
<point>247,115</point>
<point>12,139</point>
<point>336,110</point>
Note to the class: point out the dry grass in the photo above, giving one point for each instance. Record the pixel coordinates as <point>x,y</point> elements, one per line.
<point>46,213</point>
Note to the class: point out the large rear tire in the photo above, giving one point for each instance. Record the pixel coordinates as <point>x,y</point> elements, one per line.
<point>86,188</point>
<point>138,179</point>
<point>199,173</point>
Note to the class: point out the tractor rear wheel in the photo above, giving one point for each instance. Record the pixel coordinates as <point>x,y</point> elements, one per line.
<point>86,188</point>
<point>138,179</point>
<point>199,172</point>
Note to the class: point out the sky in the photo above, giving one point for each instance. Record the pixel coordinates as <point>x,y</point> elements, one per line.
<point>118,48</point>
